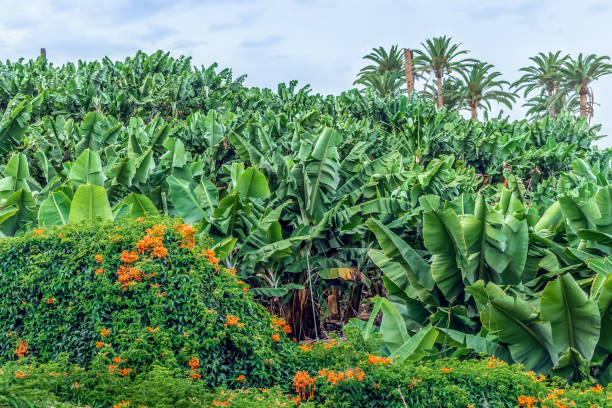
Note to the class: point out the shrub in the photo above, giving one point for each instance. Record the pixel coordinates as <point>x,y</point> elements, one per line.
<point>125,296</point>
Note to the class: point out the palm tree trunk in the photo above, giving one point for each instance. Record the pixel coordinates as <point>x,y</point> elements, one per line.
<point>583,101</point>
<point>473,108</point>
<point>552,112</point>
<point>439,81</point>
<point>408,68</point>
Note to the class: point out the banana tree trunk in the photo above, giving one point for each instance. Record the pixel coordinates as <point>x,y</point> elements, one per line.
<point>583,101</point>
<point>439,81</point>
<point>552,112</point>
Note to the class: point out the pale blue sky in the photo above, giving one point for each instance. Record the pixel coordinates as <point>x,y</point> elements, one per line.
<point>314,41</point>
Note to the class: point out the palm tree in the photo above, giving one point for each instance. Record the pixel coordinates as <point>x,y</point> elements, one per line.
<point>545,74</point>
<point>579,73</point>
<point>439,56</point>
<point>392,61</point>
<point>540,104</point>
<point>385,83</point>
<point>480,87</point>
<point>452,93</point>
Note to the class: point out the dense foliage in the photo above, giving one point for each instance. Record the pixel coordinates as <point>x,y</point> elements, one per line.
<point>128,296</point>
<point>494,236</point>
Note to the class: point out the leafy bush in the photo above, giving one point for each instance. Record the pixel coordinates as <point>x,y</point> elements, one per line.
<point>129,295</point>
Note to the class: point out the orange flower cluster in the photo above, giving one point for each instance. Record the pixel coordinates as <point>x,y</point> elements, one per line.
<point>98,258</point>
<point>20,374</point>
<point>194,364</point>
<point>153,330</point>
<point>22,349</point>
<point>129,256</point>
<point>51,301</point>
<point>122,404</point>
<point>212,257</point>
<point>494,363</point>
<point>232,321</point>
<point>414,382</point>
<point>118,360</point>
<point>98,271</point>
<point>278,323</point>
<point>372,359</point>
<point>534,378</point>
<point>153,242</point>
<point>125,372</point>
<point>528,402</point>
<point>241,378</point>
<point>100,344</point>
<point>446,370</point>
<point>104,332</point>
<point>303,383</point>
<point>330,344</point>
<point>39,231</point>
<point>231,271</point>
<point>306,347</point>
<point>597,388</point>
<point>276,337</point>
<point>187,235</point>
<point>334,377</point>
<point>128,276</point>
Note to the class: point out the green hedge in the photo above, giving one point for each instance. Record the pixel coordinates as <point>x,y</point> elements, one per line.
<point>73,316</point>
<point>52,300</point>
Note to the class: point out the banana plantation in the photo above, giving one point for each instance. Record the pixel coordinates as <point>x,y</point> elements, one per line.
<point>376,211</point>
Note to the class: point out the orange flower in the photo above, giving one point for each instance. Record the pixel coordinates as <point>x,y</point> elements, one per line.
<point>303,382</point>
<point>305,347</point>
<point>194,363</point>
<point>241,378</point>
<point>211,256</point>
<point>99,258</point>
<point>231,320</point>
<point>156,286</point>
<point>98,271</point>
<point>122,404</point>
<point>414,382</point>
<point>287,329</point>
<point>597,388</point>
<point>446,370</point>
<point>118,360</point>
<point>153,330</point>
<point>20,374</point>
<point>187,234</point>
<point>276,337</point>
<point>60,235</point>
<point>51,301</point>
<point>196,375</point>
<point>128,276</point>
<point>372,359</point>
<point>39,231</point>
<point>104,332</point>
<point>111,369</point>
<point>129,256</point>
<point>125,371</point>
<point>160,251</point>
<point>330,344</point>
<point>156,230</point>
<point>99,344</point>
<point>161,294</point>
<point>22,349</point>
<point>528,402</point>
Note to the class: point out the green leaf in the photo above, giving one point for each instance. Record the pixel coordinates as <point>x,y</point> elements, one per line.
<point>54,210</point>
<point>184,200</point>
<point>89,203</point>
<point>87,169</point>
<point>252,183</point>
<point>515,322</point>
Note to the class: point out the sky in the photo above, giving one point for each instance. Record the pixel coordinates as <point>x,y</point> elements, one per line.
<point>317,42</point>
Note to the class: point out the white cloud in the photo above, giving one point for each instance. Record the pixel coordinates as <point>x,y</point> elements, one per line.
<point>315,41</point>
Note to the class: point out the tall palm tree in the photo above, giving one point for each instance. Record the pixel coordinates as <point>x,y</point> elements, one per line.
<point>392,61</point>
<point>439,56</point>
<point>545,73</point>
<point>540,104</point>
<point>385,83</point>
<point>481,87</point>
<point>579,73</point>
<point>452,93</point>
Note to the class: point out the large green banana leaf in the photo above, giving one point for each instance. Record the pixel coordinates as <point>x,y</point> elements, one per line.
<point>516,322</point>
<point>89,203</point>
